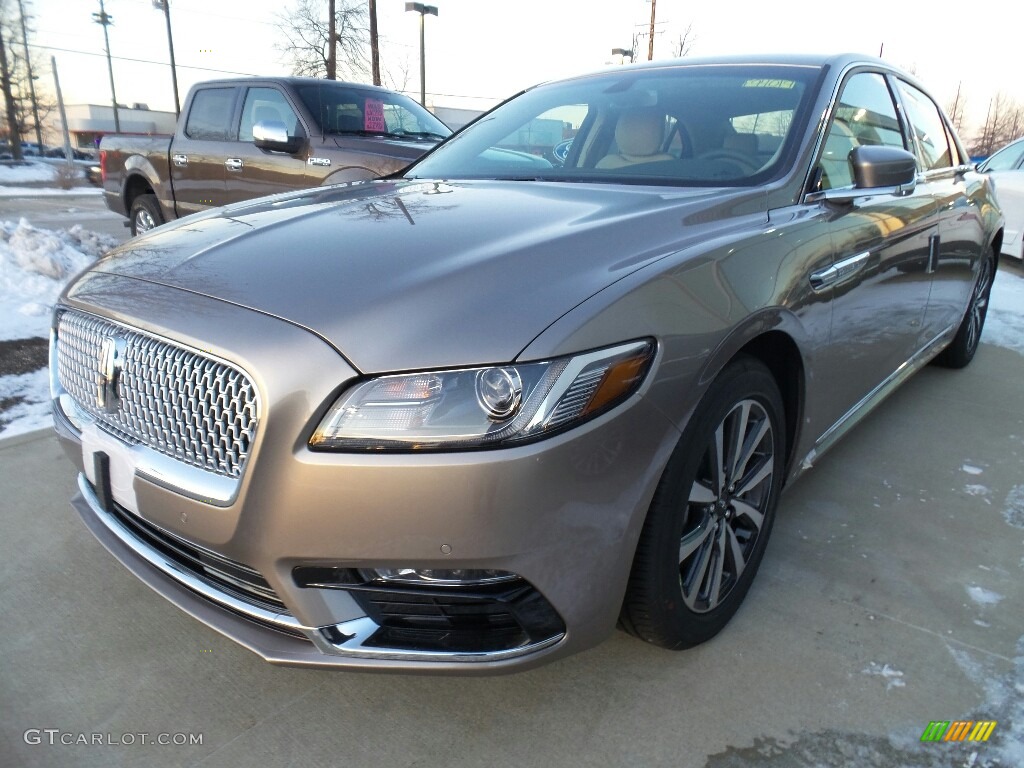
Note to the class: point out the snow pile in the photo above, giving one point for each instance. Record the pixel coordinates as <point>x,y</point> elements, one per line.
<point>1004,325</point>
<point>893,677</point>
<point>29,172</point>
<point>27,403</point>
<point>34,266</point>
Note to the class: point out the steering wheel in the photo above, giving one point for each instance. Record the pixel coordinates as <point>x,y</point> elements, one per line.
<point>747,165</point>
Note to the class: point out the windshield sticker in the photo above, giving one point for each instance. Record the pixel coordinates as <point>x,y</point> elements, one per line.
<point>762,83</point>
<point>373,116</point>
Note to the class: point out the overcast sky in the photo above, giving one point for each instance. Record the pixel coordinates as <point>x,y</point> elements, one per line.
<point>481,51</point>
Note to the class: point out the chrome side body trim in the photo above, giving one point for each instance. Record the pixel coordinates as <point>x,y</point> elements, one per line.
<point>876,396</point>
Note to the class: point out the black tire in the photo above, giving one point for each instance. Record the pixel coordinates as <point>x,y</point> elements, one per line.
<point>145,214</point>
<point>962,349</point>
<point>702,543</point>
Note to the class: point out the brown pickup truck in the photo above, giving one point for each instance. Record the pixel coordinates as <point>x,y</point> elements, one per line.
<point>244,138</point>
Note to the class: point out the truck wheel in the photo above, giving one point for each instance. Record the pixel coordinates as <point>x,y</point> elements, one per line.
<point>145,214</point>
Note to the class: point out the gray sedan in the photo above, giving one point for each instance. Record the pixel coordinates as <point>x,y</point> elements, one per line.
<point>472,417</point>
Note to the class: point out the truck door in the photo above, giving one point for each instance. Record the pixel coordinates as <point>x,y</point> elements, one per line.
<point>198,153</point>
<point>253,172</point>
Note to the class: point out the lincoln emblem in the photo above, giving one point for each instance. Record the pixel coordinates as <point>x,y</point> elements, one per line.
<point>111,363</point>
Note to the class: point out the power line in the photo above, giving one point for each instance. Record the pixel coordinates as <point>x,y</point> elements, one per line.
<point>232,72</point>
<point>140,61</point>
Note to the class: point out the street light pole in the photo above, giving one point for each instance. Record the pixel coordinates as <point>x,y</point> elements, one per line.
<point>422,10</point>
<point>104,20</point>
<point>165,6</point>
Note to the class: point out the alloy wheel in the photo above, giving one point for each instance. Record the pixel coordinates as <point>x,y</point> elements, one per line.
<point>726,506</point>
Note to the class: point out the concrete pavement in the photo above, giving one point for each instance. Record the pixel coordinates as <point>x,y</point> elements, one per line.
<point>890,596</point>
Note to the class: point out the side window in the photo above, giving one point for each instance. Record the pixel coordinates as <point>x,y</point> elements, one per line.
<point>209,117</point>
<point>929,129</point>
<point>864,115</point>
<point>1006,159</point>
<point>265,105</point>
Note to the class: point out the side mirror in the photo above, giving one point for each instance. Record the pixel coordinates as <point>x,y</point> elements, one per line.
<point>879,166</point>
<point>877,170</point>
<point>273,135</point>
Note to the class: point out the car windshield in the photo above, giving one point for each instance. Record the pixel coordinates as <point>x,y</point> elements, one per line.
<point>691,125</point>
<point>342,109</point>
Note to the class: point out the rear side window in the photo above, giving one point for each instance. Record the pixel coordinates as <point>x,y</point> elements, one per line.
<point>929,129</point>
<point>209,118</point>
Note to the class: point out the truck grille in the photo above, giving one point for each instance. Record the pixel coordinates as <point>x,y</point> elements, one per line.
<point>197,410</point>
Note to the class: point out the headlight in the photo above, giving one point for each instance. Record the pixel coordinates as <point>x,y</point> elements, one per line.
<point>482,407</point>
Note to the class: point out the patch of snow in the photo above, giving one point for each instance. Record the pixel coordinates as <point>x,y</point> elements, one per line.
<point>31,408</point>
<point>971,469</point>
<point>28,172</point>
<point>1004,325</point>
<point>1013,513</point>
<point>976,490</point>
<point>48,191</point>
<point>893,677</point>
<point>35,264</point>
<point>983,596</point>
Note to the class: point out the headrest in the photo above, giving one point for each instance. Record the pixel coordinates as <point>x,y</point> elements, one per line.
<point>640,132</point>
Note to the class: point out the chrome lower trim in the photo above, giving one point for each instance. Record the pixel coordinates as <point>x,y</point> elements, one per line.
<point>174,571</point>
<point>870,401</point>
<point>355,632</point>
<point>359,631</point>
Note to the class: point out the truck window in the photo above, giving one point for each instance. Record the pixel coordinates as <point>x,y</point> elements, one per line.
<point>264,105</point>
<point>210,115</point>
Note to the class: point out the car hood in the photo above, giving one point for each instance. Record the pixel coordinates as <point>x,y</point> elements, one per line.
<point>402,275</point>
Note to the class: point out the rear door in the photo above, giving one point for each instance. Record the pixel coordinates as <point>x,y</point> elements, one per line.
<point>253,172</point>
<point>878,282</point>
<point>961,226</point>
<point>199,152</point>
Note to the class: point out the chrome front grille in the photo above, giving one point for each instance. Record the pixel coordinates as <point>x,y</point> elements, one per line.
<point>178,402</point>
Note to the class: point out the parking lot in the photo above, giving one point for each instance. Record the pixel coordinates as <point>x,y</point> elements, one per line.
<point>890,597</point>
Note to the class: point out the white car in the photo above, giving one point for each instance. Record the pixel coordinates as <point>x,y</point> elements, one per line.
<point>1006,171</point>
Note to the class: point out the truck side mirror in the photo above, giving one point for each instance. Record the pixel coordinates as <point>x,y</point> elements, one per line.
<point>273,135</point>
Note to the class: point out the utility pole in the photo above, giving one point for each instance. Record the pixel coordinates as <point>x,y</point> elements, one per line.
<point>12,116</point>
<point>332,43</point>
<point>31,78</point>
<point>650,44</point>
<point>105,20</point>
<point>68,154</point>
<point>374,48</point>
<point>165,6</point>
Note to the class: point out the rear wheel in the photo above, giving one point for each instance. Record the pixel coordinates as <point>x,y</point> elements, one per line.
<point>961,350</point>
<point>145,214</point>
<point>712,513</point>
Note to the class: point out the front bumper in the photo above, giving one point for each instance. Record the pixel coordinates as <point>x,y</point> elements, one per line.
<point>563,514</point>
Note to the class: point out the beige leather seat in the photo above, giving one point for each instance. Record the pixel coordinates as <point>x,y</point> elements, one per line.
<point>638,137</point>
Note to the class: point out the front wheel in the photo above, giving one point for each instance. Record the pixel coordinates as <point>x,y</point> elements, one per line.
<point>712,513</point>
<point>961,350</point>
<point>145,214</point>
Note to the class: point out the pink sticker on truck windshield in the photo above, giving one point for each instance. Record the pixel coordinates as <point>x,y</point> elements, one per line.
<point>373,116</point>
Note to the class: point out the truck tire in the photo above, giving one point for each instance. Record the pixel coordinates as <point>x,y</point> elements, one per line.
<point>145,214</point>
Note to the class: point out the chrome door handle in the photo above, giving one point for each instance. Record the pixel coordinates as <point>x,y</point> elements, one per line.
<point>823,278</point>
<point>180,160</point>
<point>841,270</point>
<point>233,164</point>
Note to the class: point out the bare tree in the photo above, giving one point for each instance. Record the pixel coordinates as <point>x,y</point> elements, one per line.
<point>684,45</point>
<point>955,109</point>
<point>306,30</point>
<point>1004,122</point>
